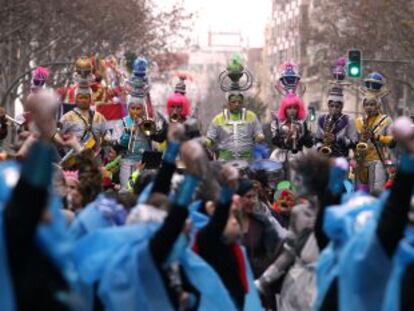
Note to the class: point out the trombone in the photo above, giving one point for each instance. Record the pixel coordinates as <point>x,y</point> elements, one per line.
<point>147,125</point>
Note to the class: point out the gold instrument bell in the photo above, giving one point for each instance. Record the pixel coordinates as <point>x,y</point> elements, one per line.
<point>361,148</point>
<point>175,118</point>
<point>148,127</point>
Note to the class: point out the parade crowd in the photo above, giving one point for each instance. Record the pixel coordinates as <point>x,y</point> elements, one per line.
<point>152,212</point>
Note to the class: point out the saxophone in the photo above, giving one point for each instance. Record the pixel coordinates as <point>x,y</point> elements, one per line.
<point>362,146</point>
<point>326,149</point>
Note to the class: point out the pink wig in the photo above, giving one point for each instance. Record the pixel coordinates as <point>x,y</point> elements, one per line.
<point>178,99</point>
<point>291,100</point>
<point>41,73</point>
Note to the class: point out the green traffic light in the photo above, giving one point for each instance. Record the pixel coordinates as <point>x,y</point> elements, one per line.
<point>354,71</point>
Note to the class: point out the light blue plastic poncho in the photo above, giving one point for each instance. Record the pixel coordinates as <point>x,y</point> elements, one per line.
<point>341,223</point>
<point>129,280</point>
<point>101,213</point>
<point>402,259</point>
<point>9,175</point>
<point>364,267</point>
<point>51,238</point>
<point>199,220</point>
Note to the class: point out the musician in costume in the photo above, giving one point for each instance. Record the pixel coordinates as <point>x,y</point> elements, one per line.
<point>83,119</point>
<point>142,126</point>
<point>178,104</point>
<point>374,139</point>
<point>289,129</point>
<point>336,132</point>
<point>82,125</point>
<point>235,131</point>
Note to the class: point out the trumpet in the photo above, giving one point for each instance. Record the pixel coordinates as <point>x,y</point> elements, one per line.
<point>175,118</point>
<point>291,131</point>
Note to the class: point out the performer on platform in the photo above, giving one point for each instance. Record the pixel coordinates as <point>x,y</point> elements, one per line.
<point>374,139</point>
<point>336,132</point>
<point>142,127</point>
<point>236,130</point>
<point>178,104</point>
<point>82,125</point>
<point>289,129</point>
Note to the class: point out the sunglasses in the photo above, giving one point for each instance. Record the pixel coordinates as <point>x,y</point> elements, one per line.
<point>373,85</point>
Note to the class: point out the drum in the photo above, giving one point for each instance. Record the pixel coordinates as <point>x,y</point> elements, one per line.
<point>241,165</point>
<point>273,169</point>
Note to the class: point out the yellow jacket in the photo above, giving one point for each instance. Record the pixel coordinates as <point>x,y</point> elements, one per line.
<point>380,125</point>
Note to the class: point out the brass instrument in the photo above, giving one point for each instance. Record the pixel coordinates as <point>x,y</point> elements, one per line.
<point>88,142</point>
<point>362,147</point>
<point>175,118</point>
<point>147,125</point>
<point>133,133</point>
<point>291,131</point>
<point>326,149</point>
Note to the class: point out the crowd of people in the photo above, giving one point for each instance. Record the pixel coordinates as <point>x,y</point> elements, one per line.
<point>161,215</point>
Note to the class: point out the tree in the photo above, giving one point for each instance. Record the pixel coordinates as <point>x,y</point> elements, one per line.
<point>382,29</point>
<point>49,31</point>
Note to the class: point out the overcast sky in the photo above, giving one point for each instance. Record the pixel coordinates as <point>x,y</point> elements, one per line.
<point>248,16</point>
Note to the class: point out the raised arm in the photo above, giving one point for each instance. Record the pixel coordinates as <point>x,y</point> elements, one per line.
<point>394,217</point>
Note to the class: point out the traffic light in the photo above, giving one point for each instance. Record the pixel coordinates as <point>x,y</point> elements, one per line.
<point>355,63</point>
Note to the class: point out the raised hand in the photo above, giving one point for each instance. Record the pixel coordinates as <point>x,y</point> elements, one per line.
<point>42,106</point>
<point>194,158</point>
<point>229,176</point>
<point>403,132</point>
